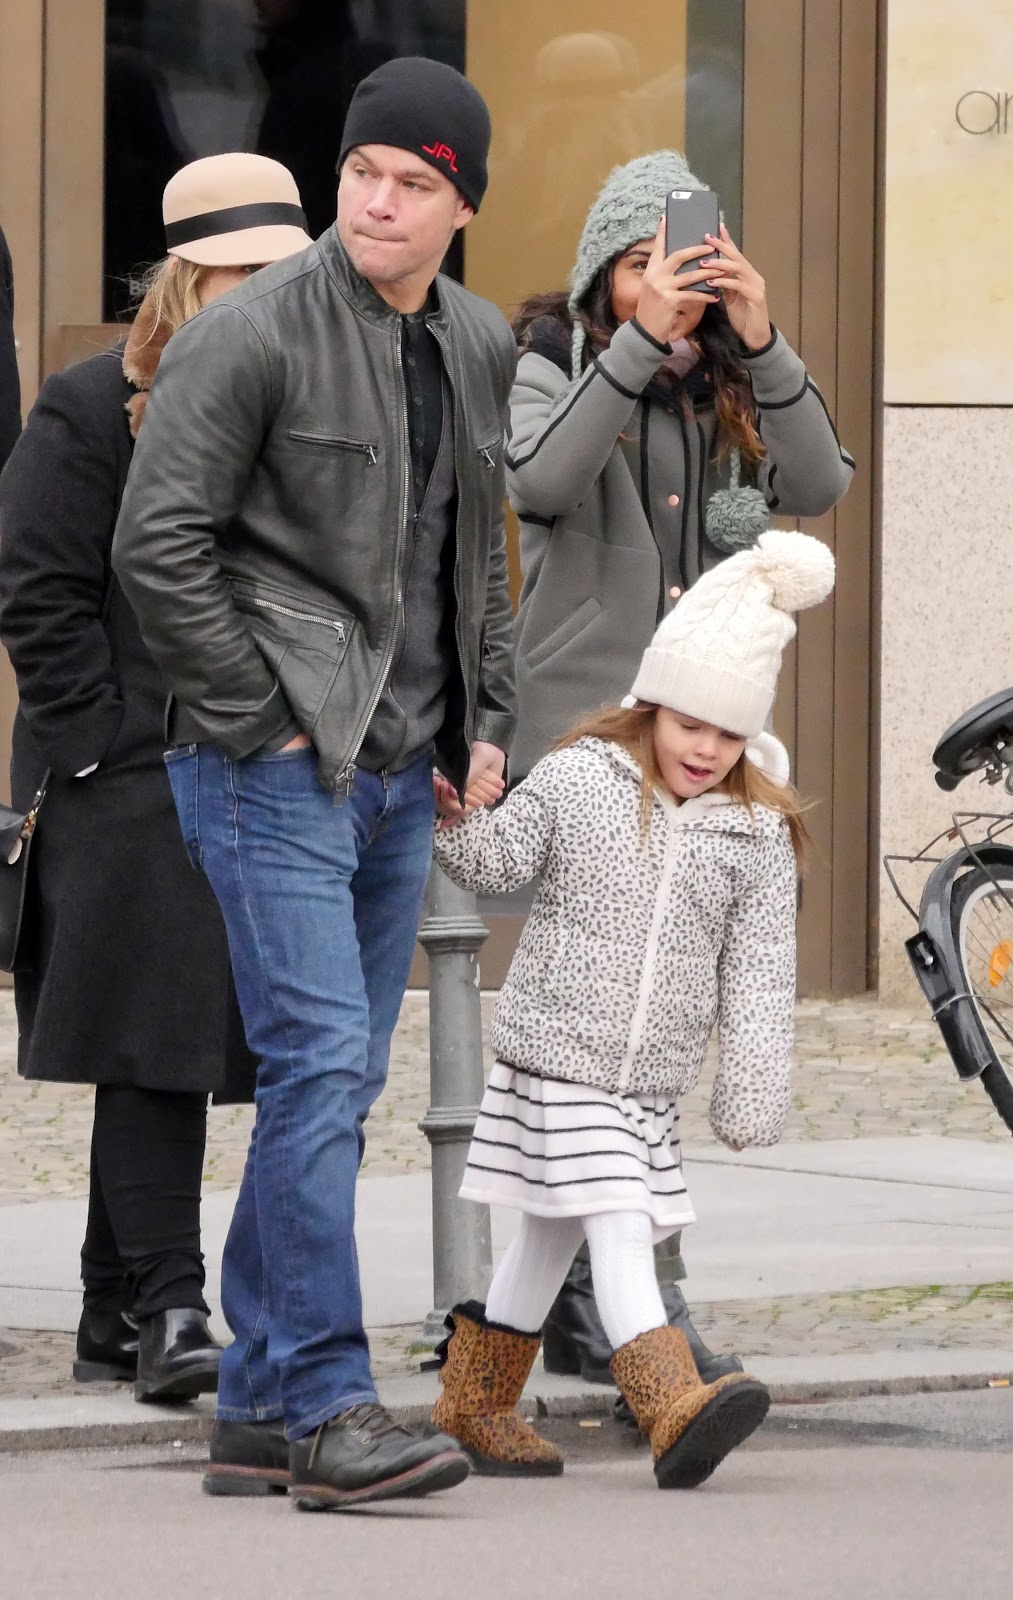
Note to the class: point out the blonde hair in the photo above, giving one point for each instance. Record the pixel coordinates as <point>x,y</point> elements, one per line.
<point>173,289</point>
<point>633,731</point>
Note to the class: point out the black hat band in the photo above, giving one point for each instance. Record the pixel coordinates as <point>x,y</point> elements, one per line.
<point>233,219</point>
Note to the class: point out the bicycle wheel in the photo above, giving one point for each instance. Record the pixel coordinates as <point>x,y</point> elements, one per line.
<point>981,912</point>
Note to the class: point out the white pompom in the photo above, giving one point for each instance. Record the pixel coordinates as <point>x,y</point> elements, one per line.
<point>799,568</point>
<point>768,753</point>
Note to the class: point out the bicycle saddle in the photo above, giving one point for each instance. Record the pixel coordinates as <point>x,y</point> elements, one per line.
<point>967,745</point>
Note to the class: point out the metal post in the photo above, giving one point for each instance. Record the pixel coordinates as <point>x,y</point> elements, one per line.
<point>452,935</point>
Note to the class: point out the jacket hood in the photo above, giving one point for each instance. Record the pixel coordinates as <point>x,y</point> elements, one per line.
<point>714,812</point>
<point>146,340</point>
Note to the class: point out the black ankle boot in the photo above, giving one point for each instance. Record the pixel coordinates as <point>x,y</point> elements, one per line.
<point>573,1339</point>
<point>709,1366</point>
<point>177,1358</point>
<point>106,1347</point>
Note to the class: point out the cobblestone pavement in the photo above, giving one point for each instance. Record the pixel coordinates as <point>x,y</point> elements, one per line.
<point>864,1070</point>
<point>978,1316</point>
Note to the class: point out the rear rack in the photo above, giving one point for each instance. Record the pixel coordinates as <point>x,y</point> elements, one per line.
<point>1000,823</point>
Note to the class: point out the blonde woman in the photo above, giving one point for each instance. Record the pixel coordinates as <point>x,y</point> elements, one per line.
<point>126,983</point>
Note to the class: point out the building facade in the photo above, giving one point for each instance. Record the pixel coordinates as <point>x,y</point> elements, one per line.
<point>947,426</point>
<point>776,104</point>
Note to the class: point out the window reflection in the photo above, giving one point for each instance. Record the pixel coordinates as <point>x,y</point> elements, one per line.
<point>578,87</point>
<point>188,78</point>
<point>311,57</point>
<point>144,146</point>
<point>574,86</point>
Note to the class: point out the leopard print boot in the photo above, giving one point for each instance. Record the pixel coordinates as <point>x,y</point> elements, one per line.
<point>692,1426</point>
<point>484,1370</point>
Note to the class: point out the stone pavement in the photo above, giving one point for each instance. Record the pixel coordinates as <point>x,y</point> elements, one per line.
<point>912,1318</point>
<point>865,1074</point>
<point>864,1071</point>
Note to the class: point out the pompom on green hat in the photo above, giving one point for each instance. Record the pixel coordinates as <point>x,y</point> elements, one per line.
<point>629,206</point>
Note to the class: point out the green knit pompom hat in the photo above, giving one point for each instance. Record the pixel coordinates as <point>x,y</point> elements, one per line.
<point>629,207</point>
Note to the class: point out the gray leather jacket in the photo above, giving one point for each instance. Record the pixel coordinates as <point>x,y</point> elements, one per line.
<point>261,535</point>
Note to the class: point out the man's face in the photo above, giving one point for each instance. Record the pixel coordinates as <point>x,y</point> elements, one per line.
<point>396,214</point>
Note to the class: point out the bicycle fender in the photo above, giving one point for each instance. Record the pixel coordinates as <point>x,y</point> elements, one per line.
<point>952,1012</point>
<point>935,961</point>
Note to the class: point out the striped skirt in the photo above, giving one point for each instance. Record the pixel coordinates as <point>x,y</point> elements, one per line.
<point>565,1150</point>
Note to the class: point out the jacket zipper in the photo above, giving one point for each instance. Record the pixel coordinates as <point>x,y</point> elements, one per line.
<point>346,775</point>
<point>300,616</point>
<point>650,962</point>
<point>485,452</point>
<point>458,627</point>
<point>487,456</point>
<point>325,439</point>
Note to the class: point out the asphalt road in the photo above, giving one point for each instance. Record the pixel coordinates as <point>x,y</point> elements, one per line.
<point>893,1499</point>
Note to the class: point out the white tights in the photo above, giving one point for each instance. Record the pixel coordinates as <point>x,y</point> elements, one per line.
<point>621,1246</point>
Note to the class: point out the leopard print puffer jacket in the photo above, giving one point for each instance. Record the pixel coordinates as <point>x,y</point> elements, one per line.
<point>635,947</point>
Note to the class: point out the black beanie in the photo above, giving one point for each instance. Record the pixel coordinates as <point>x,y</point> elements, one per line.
<point>426,107</point>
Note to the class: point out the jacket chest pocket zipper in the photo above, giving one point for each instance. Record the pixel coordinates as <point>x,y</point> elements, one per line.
<point>300,616</point>
<point>486,455</point>
<point>328,441</point>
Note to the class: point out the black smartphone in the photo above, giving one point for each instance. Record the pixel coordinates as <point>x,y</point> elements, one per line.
<point>690,214</point>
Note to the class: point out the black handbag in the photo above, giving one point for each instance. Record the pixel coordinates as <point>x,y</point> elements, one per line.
<point>17,829</point>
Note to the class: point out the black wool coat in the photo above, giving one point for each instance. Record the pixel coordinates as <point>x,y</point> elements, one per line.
<point>10,388</point>
<point>127,977</point>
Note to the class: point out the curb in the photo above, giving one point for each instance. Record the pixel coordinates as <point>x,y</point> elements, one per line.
<point>597,1402</point>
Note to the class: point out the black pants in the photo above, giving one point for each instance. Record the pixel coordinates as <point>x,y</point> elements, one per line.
<point>141,1251</point>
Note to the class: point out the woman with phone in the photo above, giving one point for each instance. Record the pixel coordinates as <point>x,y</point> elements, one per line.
<point>657,420</point>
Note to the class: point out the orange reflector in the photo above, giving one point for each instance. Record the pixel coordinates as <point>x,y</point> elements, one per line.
<point>1000,962</point>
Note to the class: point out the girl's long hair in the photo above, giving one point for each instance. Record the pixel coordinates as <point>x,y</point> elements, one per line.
<point>746,785</point>
<point>714,335</point>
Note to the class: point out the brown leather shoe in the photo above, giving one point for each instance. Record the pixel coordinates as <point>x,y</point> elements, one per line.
<point>364,1455</point>
<point>247,1459</point>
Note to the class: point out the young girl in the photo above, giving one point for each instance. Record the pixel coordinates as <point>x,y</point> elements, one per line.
<point>666,840</point>
<point>654,426</point>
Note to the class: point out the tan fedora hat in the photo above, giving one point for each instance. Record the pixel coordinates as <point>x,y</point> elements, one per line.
<point>233,210</point>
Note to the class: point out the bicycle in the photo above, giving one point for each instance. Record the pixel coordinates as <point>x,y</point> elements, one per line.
<point>962,954</point>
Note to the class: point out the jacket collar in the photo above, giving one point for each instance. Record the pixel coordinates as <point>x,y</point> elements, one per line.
<point>714,813</point>
<point>361,295</point>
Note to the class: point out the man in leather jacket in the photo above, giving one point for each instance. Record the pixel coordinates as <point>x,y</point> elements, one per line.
<point>312,539</point>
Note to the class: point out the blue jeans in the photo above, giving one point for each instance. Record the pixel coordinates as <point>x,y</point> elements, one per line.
<point>321,902</point>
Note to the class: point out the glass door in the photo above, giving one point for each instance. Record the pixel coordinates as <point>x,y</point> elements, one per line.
<point>577,87</point>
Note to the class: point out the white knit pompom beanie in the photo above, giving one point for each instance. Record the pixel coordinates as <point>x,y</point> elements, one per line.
<point>717,654</point>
